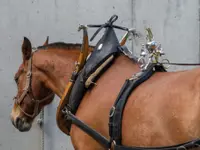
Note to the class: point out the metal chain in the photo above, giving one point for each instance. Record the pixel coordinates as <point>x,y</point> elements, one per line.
<point>40,123</point>
<point>42,117</point>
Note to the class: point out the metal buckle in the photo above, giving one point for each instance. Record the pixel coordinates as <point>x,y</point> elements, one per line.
<point>181,147</point>
<point>81,26</point>
<point>77,63</point>
<point>135,76</point>
<point>112,111</point>
<point>165,61</point>
<point>66,112</point>
<point>74,76</point>
<point>28,74</point>
<point>113,143</point>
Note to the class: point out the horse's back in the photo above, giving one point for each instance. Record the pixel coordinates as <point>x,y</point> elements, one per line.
<point>163,110</point>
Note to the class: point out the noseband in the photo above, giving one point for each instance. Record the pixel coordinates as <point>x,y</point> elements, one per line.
<point>27,91</point>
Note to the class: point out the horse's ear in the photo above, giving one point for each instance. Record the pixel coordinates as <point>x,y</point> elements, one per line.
<point>47,41</point>
<point>26,49</point>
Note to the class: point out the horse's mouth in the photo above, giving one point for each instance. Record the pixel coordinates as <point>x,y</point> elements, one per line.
<point>24,129</point>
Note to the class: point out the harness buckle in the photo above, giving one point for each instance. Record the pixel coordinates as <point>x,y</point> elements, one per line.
<point>113,143</point>
<point>66,112</point>
<point>136,76</point>
<point>28,74</point>
<point>112,111</point>
<point>181,148</point>
<point>74,76</point>
<point>77,64</point>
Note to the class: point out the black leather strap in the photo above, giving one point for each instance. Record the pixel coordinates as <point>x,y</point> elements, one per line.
<point>116,113</point>
<point>109,46</point>
<point>90,131</point>
<point>109,23</point>
<point>184,146</point>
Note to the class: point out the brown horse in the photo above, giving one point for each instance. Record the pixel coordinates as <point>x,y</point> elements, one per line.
<point>162,111</point>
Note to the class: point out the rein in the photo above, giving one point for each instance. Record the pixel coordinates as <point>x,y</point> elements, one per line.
<point>27,91</point>
<point>182,64</point>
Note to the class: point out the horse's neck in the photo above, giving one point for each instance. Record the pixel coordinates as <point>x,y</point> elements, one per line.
<point>58,66</point>
<point>61,64</point>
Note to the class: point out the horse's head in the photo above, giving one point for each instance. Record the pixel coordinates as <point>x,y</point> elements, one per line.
<point>32,94</point>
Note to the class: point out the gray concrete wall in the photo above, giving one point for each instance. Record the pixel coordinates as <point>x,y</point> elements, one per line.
<point>175,23</point>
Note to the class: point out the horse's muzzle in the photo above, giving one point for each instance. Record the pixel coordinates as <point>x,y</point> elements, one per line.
<point>21,124</point>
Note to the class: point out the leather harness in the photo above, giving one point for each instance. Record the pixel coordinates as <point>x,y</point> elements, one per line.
<point>70,101</point>
<point>27,91</point>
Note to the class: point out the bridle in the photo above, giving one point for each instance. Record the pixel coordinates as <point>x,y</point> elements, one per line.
<point>27,91</point>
